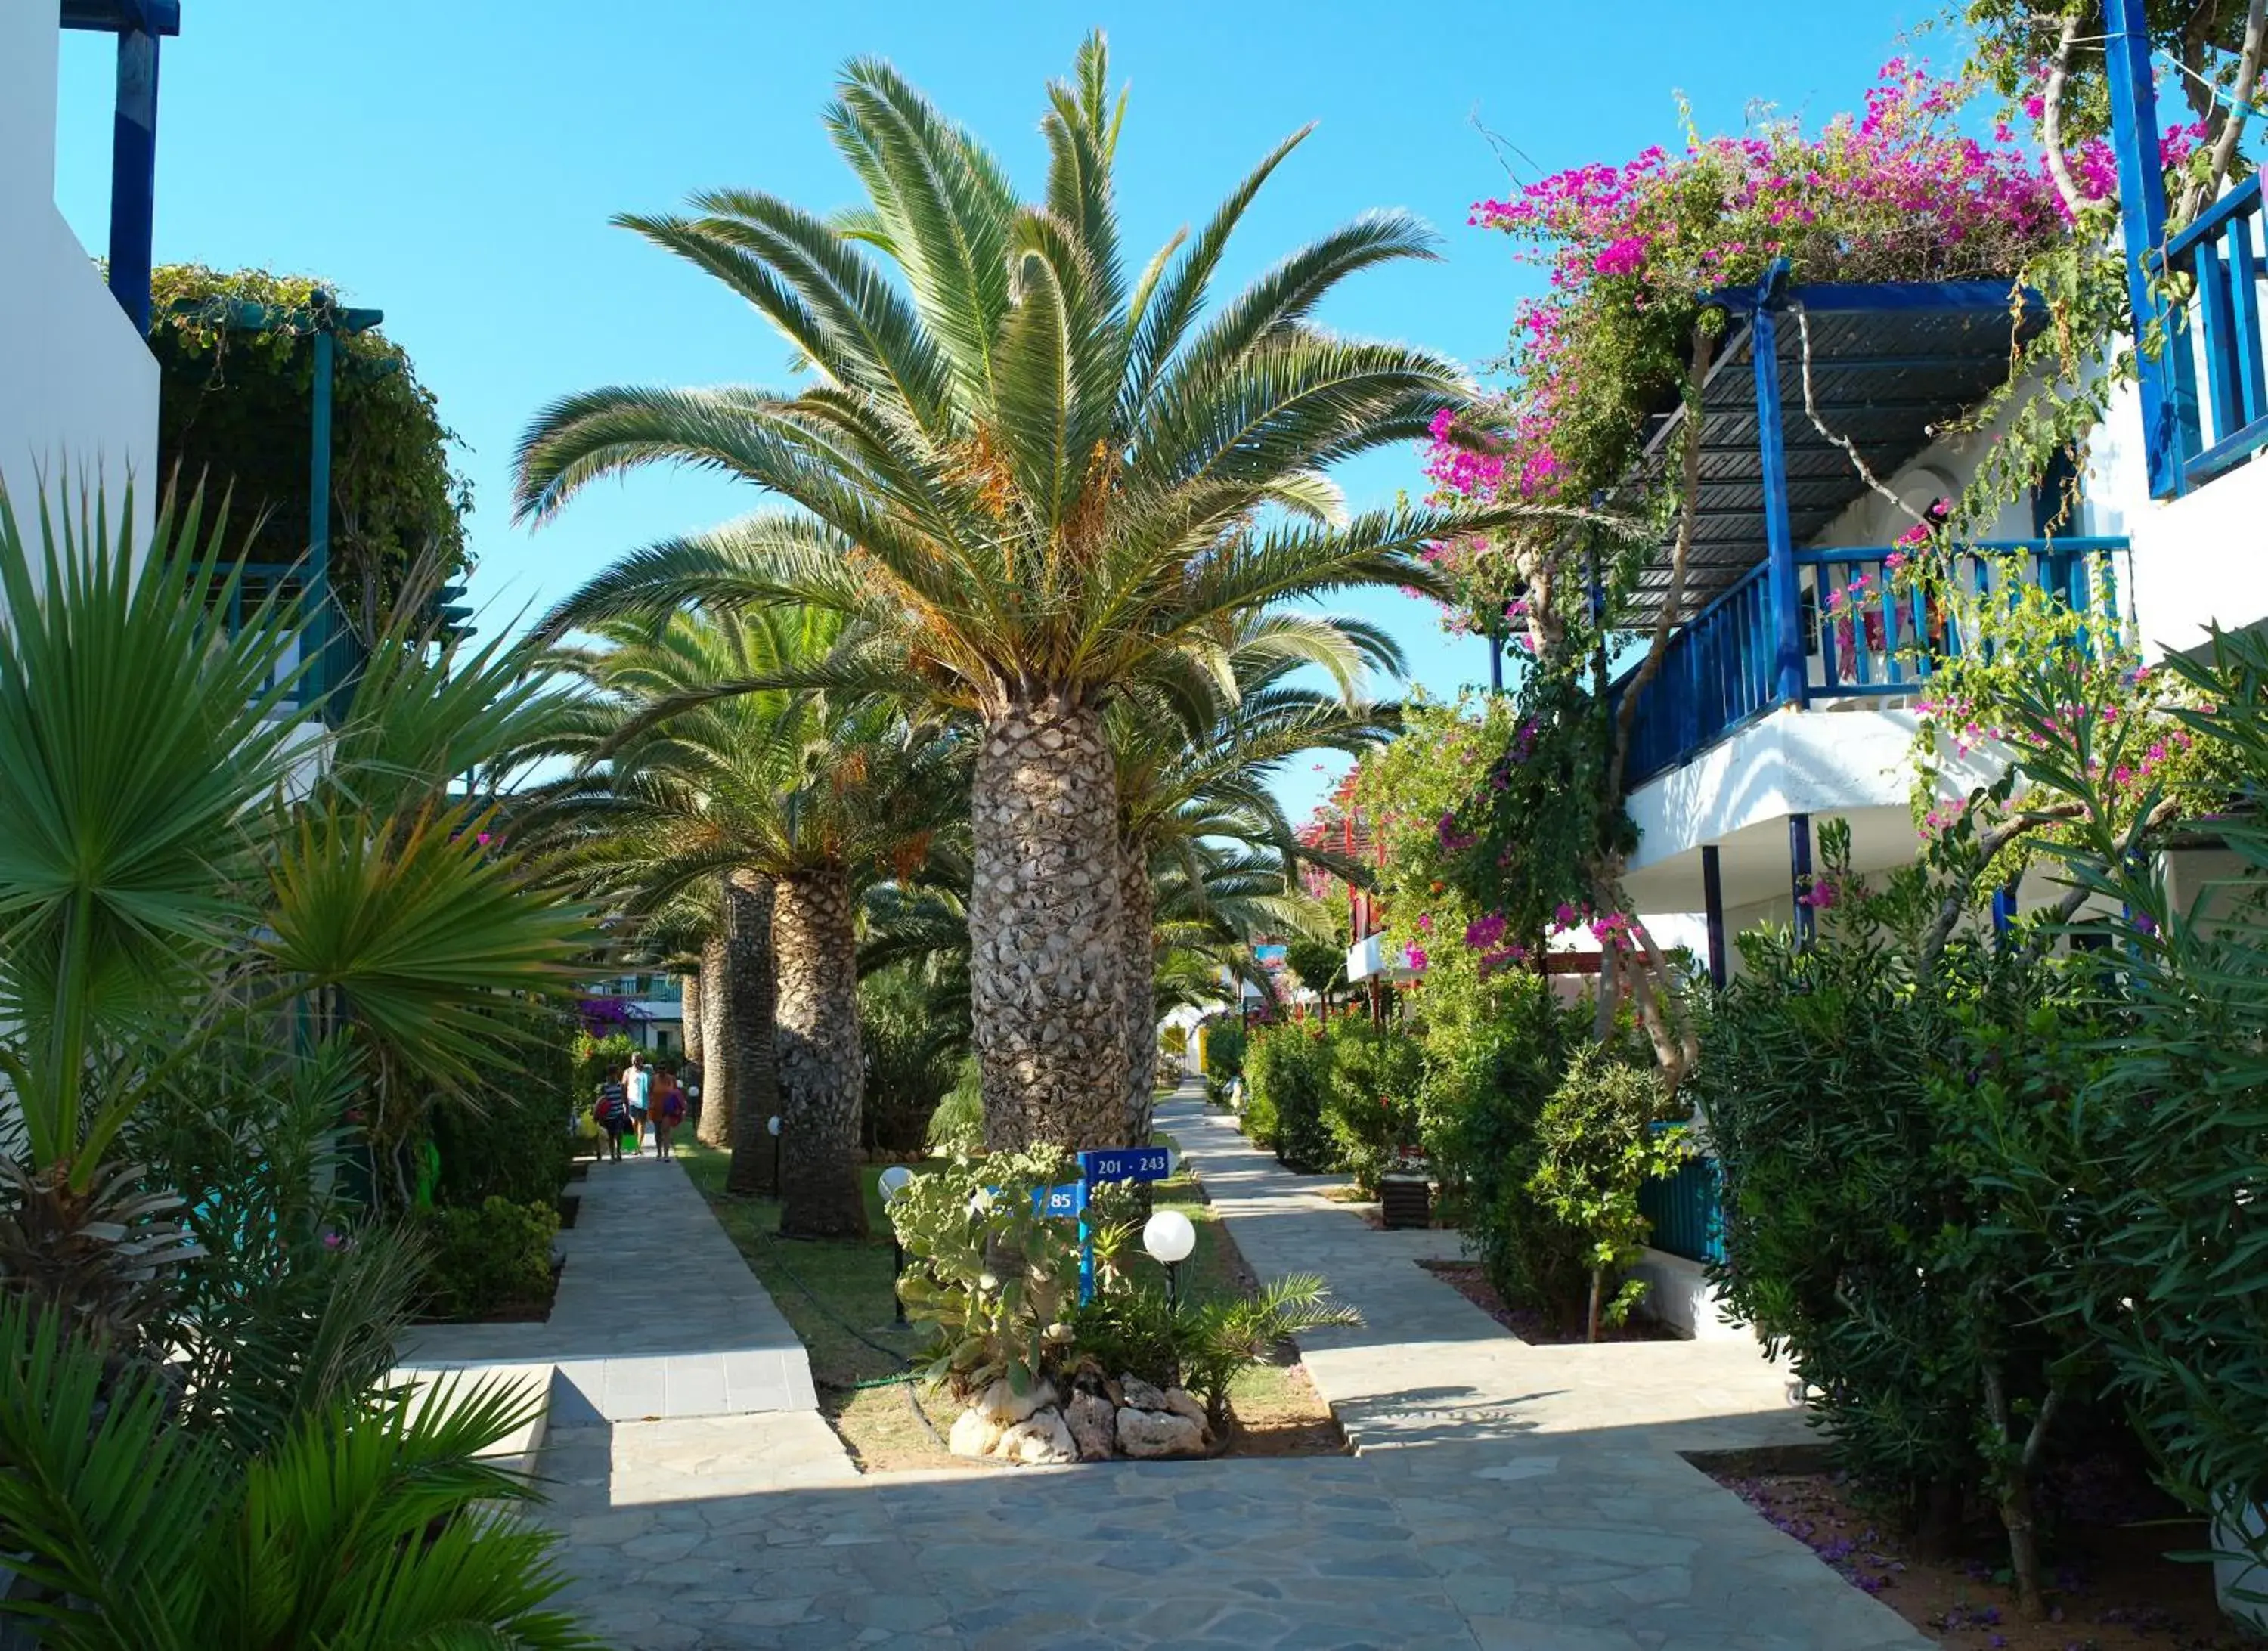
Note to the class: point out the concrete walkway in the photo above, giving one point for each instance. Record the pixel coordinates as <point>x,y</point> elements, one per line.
<point>1504,1496</point>
<point>657,1315</point>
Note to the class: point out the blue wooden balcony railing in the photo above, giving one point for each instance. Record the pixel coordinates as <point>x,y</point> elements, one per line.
<point>2221,252</point>
<point>1858,639</point>
<point>285,584</point>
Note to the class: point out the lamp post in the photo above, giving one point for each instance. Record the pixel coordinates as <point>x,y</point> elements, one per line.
<point>1170,1238</point>
<point>893,1181</point>
<point>774,1126</point>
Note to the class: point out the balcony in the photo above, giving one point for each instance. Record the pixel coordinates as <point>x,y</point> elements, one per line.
<point>1721,671</point>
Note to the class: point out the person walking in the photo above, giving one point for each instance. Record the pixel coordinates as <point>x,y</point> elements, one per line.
<point>637,1086</point>
<point>669,1112</point>
<point>612,1110</point>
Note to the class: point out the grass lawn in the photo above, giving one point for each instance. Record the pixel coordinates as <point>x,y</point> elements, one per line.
<point>837,1296</point>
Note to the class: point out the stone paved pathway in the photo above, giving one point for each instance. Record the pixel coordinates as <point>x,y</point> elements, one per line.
<point>1506,1496</point>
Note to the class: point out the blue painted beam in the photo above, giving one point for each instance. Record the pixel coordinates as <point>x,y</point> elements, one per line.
<point>2244,198</point>
<point>1712,903</point>
<point>1826,298</point>
<point>134,174</point>
<point>1780,543</point>
<point>2169,413</point>
<point>1799,873</point>
<point>116,17</point>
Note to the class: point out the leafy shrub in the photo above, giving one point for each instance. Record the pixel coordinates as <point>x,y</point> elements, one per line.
<point>1287,1079</point>
<point>510,1137</point>
<point>600,1060</point>
<point>1202,1346</point>
<point>491,1259</point>
<point>1595,1147</point>
<point>1225,1044</point>
<point>996,1277</point>
<point>1371,1105</point>
<point>1488,1073</point>
<point>910,1060</point>
<point>957,1123</point>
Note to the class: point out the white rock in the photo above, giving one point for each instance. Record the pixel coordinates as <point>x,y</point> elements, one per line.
<point>1005,1407</point>
<point>974,1434</point>
<point>1040,1438</point>
<point>1179,1400</point>
<point>1140,1394</point>
<point>1093,1427</point>
<point>1157,1433</point>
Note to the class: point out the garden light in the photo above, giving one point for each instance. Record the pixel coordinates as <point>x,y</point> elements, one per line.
<point>893,1181</point>
<point>1170,1238</point>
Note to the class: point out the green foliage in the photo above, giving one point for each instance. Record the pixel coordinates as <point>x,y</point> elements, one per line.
<point>1287,1076</point>
<point>508,1138</point>
<point>492,1259</point>
<point>957,1123</point>
<point>235,412</point>
<point>1595,1147</point>
<point>1320,965</point>
<point>364,1528</point>
<point>599,1060</point>
<point>1225,1045</point>
<point>1370,1107</point>
<point>996,1278</point>
<point>1202,1346</point>
<point>913,1058</point>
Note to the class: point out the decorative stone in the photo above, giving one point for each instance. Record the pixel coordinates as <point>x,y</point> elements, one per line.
<point>1041,1438</point>
<point>974,1434</point>
<point>1093,1427</point>
<point>1179,1400</point>
<point>1004,1407</point>
<point>1157,1433</point>
<point>1140,1394</point>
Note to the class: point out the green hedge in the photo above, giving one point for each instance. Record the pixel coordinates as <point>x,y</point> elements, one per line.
<point>488,1260</point>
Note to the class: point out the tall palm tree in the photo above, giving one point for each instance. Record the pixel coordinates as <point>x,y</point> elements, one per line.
<point>794,800</point>
<point>1026,481</point>
<point>1179,787</point>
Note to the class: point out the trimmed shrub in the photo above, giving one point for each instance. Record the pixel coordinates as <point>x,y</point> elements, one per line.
<point>1370,1107</point>
<point>1287,1072</point>
<point>489,1260</point>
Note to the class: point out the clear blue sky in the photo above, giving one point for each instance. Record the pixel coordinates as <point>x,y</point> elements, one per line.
<point>454,163</point>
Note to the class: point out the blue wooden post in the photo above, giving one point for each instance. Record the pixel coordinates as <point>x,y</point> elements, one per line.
<point>134,173</point>
<point>2168,382</point>
<point>1799,873</point>
<point>2004,907</point>
<point>318,505</point>
<point>1496,653</point>
<point>1712,903</point>
<point>1780,544</point>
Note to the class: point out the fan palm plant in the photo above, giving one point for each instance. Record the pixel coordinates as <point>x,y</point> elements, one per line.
<point>182,867</point>
<point>1025,479</point>
<point>803,795</point>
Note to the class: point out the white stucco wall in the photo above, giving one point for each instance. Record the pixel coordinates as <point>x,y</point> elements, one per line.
<point>79,390</point>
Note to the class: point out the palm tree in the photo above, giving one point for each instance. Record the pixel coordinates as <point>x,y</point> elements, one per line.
<point>1026,483</point>
<point>794,801</point>
<point>1182,788</point>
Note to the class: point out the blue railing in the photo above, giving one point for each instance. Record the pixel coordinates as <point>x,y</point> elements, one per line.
<point>1688,1219</point>
<point>2221,347</point>
<point>1860,640</point>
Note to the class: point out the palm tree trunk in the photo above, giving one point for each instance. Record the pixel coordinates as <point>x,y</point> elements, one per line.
<point>716,1126</point>
<point>1046,930</point>
<point>1141,967</point>
<point>748,1033</point>
<point>688,1009</point>
<point>821,1071</point>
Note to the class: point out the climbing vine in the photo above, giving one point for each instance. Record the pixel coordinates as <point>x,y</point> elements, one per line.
<point>235,410</point>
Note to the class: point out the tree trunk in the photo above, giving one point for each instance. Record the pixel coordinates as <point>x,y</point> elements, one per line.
<point>821,1072</point>
<point>748,1032</point>
<point>1046,930</point>
<point>1141,985</point>
<point>688,1009</point>
<point>716,1125</point>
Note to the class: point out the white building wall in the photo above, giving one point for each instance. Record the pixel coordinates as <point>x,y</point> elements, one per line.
<point>79,390</point>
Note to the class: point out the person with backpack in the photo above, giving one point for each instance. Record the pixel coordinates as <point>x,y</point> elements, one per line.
<point>612,1110</point>
<point>667,1111</point>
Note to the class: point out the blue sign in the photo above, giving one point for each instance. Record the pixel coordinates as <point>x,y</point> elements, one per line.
<point>1067,1199</point>
<point>1126,1164</point>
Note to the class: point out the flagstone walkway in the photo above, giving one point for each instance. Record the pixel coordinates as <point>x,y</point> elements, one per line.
<point>1504,1496</point>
